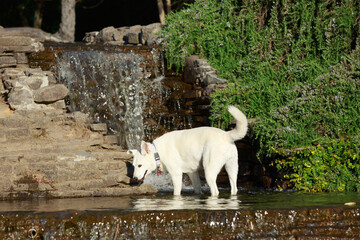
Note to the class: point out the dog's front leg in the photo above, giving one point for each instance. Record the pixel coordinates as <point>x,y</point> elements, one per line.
<point>177,182</point>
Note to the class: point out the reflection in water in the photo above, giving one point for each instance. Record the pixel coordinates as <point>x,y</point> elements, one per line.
<point>164,183</point>
<point>164,201</point>
<point>186,202</point>
<point>66,204</point>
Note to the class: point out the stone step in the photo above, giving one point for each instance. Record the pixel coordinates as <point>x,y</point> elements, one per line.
<point>108,191</point>
<point>46,147</point>
<point>75,150</point>
<point>79,185</point>
<point>99,127</point>
<point>15,133</point>
<point>43,122</point>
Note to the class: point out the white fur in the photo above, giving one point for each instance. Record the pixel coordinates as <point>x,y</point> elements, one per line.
<point>184,151</point>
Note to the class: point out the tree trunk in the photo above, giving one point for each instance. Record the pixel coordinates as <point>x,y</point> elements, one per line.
<point>168,6</point>
<point>38,14</point>
<point>161,11</point>
<point>67,25</point>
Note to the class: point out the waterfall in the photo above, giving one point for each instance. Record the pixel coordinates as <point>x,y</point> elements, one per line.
<point>125,87</point>
<point>109,87</point>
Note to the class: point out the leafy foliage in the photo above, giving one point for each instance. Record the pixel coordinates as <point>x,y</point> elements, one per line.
<point>294,66</point>
<point>333,166</point>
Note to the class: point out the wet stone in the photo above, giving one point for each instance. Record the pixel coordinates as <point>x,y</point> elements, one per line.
<point>182,224</point>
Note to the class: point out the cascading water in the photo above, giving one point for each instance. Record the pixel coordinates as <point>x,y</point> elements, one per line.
<point>109,87</point>
<point>124,87</point>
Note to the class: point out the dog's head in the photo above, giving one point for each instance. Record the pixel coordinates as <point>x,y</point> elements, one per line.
<point>144,161</point>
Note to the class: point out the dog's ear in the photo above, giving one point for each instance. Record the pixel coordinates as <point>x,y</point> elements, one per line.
<point>144,148</point>
<point>131,151</point>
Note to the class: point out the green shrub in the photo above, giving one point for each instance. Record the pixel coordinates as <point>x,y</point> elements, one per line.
<point>332,166</point>
<point>292,65</point>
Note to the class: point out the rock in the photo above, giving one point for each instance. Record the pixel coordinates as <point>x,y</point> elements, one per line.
<point>19,44</point>
<point>153,40</point>
<point>7,61</point>
<point>19,99</point>
<point>34,83</point>
<point>21,58</point>
<point>133,38</point>
<point>50,93</point>
<point>11,74</point>
<point>99,127</point>
<point>212,78</point>
<point>126,35</point>
<point>80,117</point>
<point>149,33</point>
<point>192,94</point>
<point>189,71</point>
<point>108,34</point>
<point>35,33</point>
<point>201,63</point>
<point>90,37</point>
<point>21,85</point>
<point>60,104</point>
<point>47,77</point>
<point>15,41</point>
<point>154,28</point>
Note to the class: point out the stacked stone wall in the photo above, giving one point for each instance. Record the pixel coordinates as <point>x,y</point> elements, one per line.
<point>23,87</point>
<point>45,151</point>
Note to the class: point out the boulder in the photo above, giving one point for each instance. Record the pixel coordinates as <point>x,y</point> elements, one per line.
<point>149,34</point>
<point>20,99</point>
<point>108,34</point>
<point>50,93</point>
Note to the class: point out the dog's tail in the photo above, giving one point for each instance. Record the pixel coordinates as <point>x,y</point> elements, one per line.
<point>241,128</point>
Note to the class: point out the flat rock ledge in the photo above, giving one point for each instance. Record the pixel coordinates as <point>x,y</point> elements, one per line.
<point>49,153</point>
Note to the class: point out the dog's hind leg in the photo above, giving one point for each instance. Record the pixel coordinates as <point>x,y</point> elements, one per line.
<point>212,167</point>
<point>211,181</point>
<point>231,167</point>
<point>195,180</point>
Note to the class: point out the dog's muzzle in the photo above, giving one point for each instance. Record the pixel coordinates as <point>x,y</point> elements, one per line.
<point>139,181</point>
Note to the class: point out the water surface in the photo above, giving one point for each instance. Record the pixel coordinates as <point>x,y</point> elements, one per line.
<point>163,201</point>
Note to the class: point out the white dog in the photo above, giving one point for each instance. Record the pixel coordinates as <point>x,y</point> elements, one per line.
<point>184,151</point>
